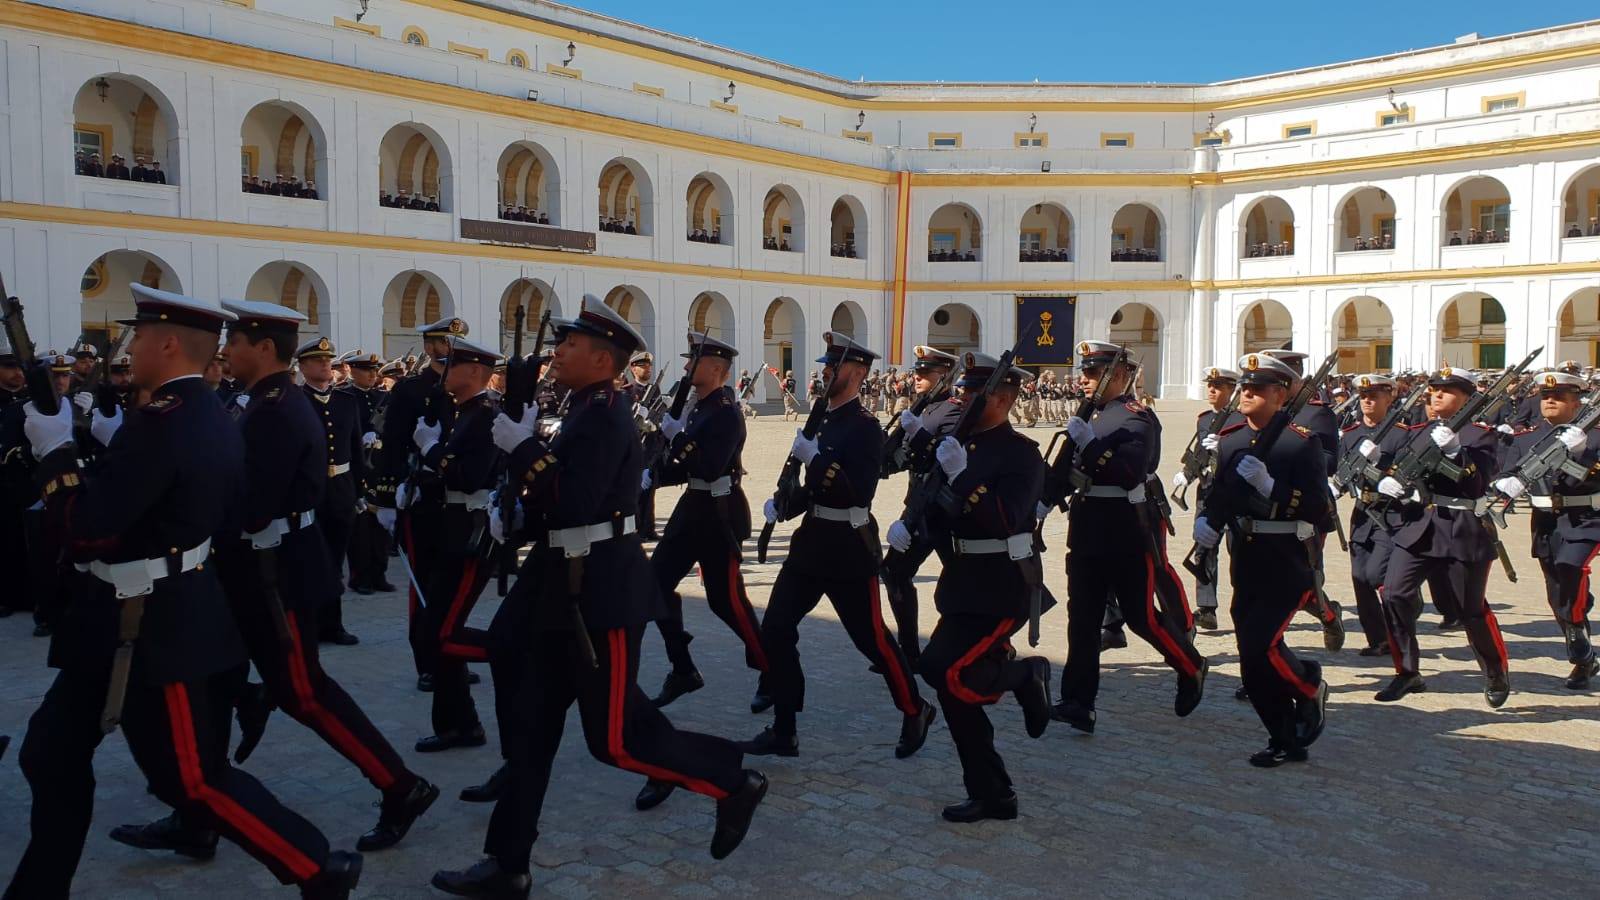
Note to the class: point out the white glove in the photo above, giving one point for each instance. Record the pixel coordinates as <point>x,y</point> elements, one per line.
<point>952,457</point>
<point>386,518</point>
<point>369,440</point>
<point>83,400</point>
<point>770,510</point>
<point>1503,428</point>
<point>242,400</point>
<point>899,536</point>
<point>1254,472</point>
<point>425,435</point>
<point>644,480</point>
<point>670,427</point>
<point>1446,439</point>
<point>1179,480</point>
<point>402,496</point>
<point>497,527</point>
<point>1573,438</point>
<point>1388,487</point>
<point>103,426</point>
<point>509,433</point>
<point>1079,431</point>
<point>1209,443</point>
<point>1368,449</point>
<point>47,433</point>
<point>803,448</point>
<point>909,423</point>
<point>1511,486</point>
<point>1041,510</point>
<point>1204,534</point>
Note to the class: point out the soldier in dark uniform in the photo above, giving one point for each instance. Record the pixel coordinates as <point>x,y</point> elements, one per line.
<point>1220,386</point>
<point>1441,534</point>
<point>17,491</point>
<point>369,543</point>
<point>467,465</point>
<point>1565,521</point>
<point>141,528</point>
<point>1371,545</point>
<point>639,383</point>
<point>914,452</point>
<point>1116,543</point>
<point>835,552</point>
<point>985,542</point>
<point>84,358</point>
<point>1271,509</point>
<point>587,589</point>
<point>341,423</point>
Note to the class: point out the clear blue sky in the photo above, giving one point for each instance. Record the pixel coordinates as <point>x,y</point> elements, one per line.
<point>1103,40</point>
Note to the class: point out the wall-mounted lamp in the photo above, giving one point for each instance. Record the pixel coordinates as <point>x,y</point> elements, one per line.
<point>729,98</point>
<point>363,10</point>
<point>572,53</point>
<point>102,87</point>
<point>1211,123</point>
<point>861,119</point>
<point>1033,122</point>
<point>1397,107</point>
<point>533,95</point>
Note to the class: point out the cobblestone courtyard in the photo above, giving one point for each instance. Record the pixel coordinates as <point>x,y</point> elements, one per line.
<point>1435,796</point>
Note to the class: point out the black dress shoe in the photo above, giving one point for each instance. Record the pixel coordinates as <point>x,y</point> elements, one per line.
<point>1240,693</point>
<point>425,683</point>
<point>341,637</point>
<point>1275,756</point>
<point>1450,625</point>
<point>169,833</point>
<point>971,810</point>
<point>337,879</point>
<point>1333,629</point>
<point>384,586</point>
<point>397,814</point>
<point>761,701</point>
<point>1206,617</point>
<point>1497,690</point>
<point>1190,690</point>
<point>490,790</point>
<point>1400,686</point>
<point>474,678</point>
<point>1582,672</point>
<point>1380,650</point>
<point>469,737</point>
<point>914,731</point>
<point>252,708</point>
<point>42,630</point>
<point>1075,714</point>
<point>1034,696</point>
<point>1311,715</point>
<point>734,813</point>
<point>653,794</point>
<point>676,685</point>
<point>1112,639</point>
<point>484,879</point>
<point>771,743</point>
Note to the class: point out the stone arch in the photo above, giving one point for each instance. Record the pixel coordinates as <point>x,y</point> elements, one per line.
<point>783,220</point>
<point>1476,209</point>
<point>1138,327</point>
<point>297,286</point>
<point>134,120</point>
<point>625,195</point>
<point>1472,332</point>
<point>636,309</point>
<point>1578,326</point>
<point>955,234</point>
<point>847,228</point>
<point>407,303</point>
<point>529,179</point>
<point>1365,219</point>
<point>1045,233</point>
<point>282,138</point>
<point>104,290</point>
<point>1264,325</point>
<point>849,318</point>
<point>1363,332</point>
<point>1137,234</point>
<point>1266,228</point>
<point>535,296</point>
<point>413,158</point>
<point>955,328</point>
<point>783,335</point>
<point>711,313</point>
<point>1580,205</point>
<point>709,204</point>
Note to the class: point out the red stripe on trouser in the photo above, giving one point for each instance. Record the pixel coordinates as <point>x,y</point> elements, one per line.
<point>1181,660</point>
<point>1494,630</point>
<point>1281,664</point>
<point>952,675</point>
<point>1395,652</point>
<point>741,614</point>
<point>618,641</point>
<point>898,686</point>
<point>1172,575</point>
<point>343,739</point>
<point>1580,603</point>
<point>469,579</point>
<point>221,805</point>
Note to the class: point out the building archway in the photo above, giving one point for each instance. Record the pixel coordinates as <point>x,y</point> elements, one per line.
<point>1580,206</point>
<point>283,139</point>
<point>847,225</point>
<point>1578,327</point>
<point>414,165</point>
<point>296,286</point>
<point>783,335</point>
<point>534,296</point>
<point>1265,325</point>
<point>783,220</point>
<point>1364,335</point>
<point>106,295</point>
<point>636,309</point>
<point>1136,234</point>
<point>1045,234</point>
<point>126,116</point>
<point>1137,327</point>
<point>710,312</point>
<point>1476,211</point>
<point>1365,221</point>
<point>1472,332</point>
<point>955,328</point>
<point>625,198</point>
<point>849,319</point>
<point>1267,229</point>
<point>955,234</point>
<point>413,298</point>
<point>709,206</point>
<point>529,184</point>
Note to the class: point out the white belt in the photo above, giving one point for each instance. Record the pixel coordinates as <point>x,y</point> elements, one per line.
<point>857,516</point>
<point>1300,529</point>
<point>1017,546</point>
<point>473,501</point>
<point>137,577</point>
<point>340,469</point>
<point>1136,495</point>
<point>272,535</point>
<point>576,541</point>
<point>1443,502</point>
<point>1568,501</point>
<point>722,487</point>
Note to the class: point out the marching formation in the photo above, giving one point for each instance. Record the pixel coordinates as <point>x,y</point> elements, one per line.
<point>189,506</point>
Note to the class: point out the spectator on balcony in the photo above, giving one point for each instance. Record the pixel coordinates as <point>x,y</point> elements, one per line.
<point>1455,238</point>
<point>1574,231</point>
<point>118,169</point>
<point>417,203</point>
<point>310,192</point>
<point>1594,226</point>
<point>80,163</point>
<point>626,229</point>
<point>141,172</point>
<point>93,166</point>
<point>432,205</point>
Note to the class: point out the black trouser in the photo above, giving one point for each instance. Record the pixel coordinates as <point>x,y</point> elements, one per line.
<point>1402,605</point>
<point>620,725</point>
<point>1566,588</point>
<point>15,559</point>
<point>856,603</point>
<point>369,552</point>
<point>967,664</point>
<point>1369,561</point>
<point>48,586</point>
<point>725,592</point>
<point>1152,604</point>
<point>1264,604</point>
<point>647,512</point>
<point>171,733</point>
<point>285,654</point>
<point>421,538</point>
<point>335,517</point>
<point>447,643</point>
<point>899,582</point>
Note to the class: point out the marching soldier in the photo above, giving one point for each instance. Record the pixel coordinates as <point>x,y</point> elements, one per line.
<point>17,491</point>
<point>1271,508</point>
<point>1371,545</point>
<point>369,543</point>
<point>341,422</point>
<point>168,482</point>
<point>790,411</point>
<point>1443,535</point>
<point>587,593</point>
<point>1565,524</point>
<point>1116,545</point>
<point>835,552</point>
<point>639,381</point>
<point>914,451</point>
<point>1220,385</point>
<point>990,571</point>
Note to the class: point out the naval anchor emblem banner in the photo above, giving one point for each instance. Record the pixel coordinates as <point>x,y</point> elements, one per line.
<point>1048,322</point>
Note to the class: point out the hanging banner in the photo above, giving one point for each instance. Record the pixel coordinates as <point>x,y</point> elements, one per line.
<point>1050,322</point>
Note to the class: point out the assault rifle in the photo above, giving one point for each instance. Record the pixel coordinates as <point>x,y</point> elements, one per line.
<point>40,390</point>
<point>1546,458</point>
<point>1062,480</point>
<point>517,397</point>
<point>788,489</point>
<point>99,383</point>
<point>894,451</point>
<point>1197,460</point>
<point>1355,468</point>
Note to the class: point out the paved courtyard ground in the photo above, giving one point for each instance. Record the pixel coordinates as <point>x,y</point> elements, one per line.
<point>1434,796</point>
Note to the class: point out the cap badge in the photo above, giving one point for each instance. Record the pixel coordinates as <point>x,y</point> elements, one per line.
<point>1252,362</point>
<point>457,326</point>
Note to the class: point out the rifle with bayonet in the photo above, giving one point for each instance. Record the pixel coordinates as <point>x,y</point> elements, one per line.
<point>1200,560</point>
<point>1355,469</point>
<point>894,449</point>
<point>1546,458</point>
<point>1197,460</point>
<point>40,391</point>
<point>517,397</point>
<point>1062,480</point>
<point>788,490</point>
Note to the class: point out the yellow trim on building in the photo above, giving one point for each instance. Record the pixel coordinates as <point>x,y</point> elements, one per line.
<point>1118,139</point>
<point>864,137</point>
<point>253,154</point>
<point>791,121</point>
<point>650,89</point>
<point>465,50</point>
<point>725,107</point>
<point>1030,139</point>
<point>411,30</point>
<point>951,139</point>
<point>563,71</point>
<point>363,27</point>
<point>98,267</point>
<point>1218,138</point>
<point>514,55</point>
<point>1388,118</point>
<point>1310,129</point>
<point>106,133</point>
<point>1521,98</point>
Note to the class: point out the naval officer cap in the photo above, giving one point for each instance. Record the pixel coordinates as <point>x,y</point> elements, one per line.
<point>314,348</point>
<point>465,351</point>
<point>1218,374</point>
<point>1259,369</point>
<point>978,367</point>
<point>448,327</point>
<point>1294,359</point>
<point>58,363</point>
<point>1373,382</point>
<point>260,319</point>
<point>84,350</point>
<point>709,346</point>
<point>1096,354</point>
<point>842,349</point>
<point>932,358</point>
<point>1448,377</point>
<point>1557,380</point>
<point>152,306</point>
<point>597,319</point>
<point>122,363</point>
<point>397,368</point>
<point>360,359</point>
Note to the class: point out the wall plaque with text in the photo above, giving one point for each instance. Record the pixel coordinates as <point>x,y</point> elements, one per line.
<point>526,235</point>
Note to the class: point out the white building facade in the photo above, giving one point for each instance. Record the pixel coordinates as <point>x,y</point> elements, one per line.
<point>1431,207</point>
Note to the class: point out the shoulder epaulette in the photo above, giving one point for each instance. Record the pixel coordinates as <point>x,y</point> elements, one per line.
<point>1484,425</point>
<point>1351,427</point>
<point>1416,426</point>
<point>1232,428</point>
<point>271,395</point>
<point>1300,430</point>
<point>163,404</point>
<point>1134,406</point>
<point>600,398</point>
